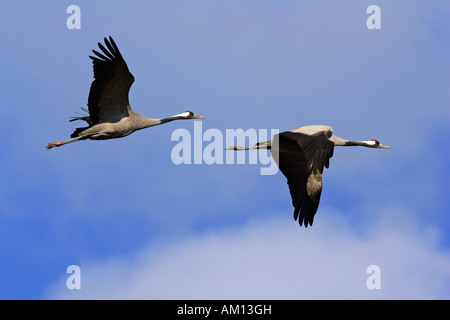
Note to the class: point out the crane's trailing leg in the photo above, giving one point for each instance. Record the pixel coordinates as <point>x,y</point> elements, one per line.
<point>259,145</point>
<point>53,144</point>
<point>59,143</point>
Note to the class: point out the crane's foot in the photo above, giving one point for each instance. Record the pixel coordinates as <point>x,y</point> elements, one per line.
<point>53,144</point>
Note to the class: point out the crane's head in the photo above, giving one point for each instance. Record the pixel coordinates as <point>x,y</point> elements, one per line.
<point>375,144</point>
<point>190,115</point>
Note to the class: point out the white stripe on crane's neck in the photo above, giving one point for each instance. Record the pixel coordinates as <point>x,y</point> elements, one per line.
<point>183,114</point>
<point>369,142</point>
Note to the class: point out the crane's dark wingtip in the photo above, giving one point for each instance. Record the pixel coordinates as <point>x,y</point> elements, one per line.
<point>112,42</point>
<point>302,218</point>
<point>307,223</point>
<point>107,41</point>
<point>95,59</point>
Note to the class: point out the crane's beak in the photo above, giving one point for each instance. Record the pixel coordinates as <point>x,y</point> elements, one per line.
<point>383,146</point>
<point>196,116</point>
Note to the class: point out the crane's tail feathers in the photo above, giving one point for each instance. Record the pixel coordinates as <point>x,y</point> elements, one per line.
<point>77,132</point>
<point>85,117</point>
<point>259,145</point>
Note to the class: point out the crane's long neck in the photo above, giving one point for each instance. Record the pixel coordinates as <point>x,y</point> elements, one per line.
<point>146,122</point>
<point>346,143</point>
<point>359,143</point>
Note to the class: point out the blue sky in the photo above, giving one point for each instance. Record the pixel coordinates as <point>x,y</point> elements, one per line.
<point>141,227</point>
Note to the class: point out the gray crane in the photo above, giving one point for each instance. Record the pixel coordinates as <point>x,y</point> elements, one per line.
<point>301,155</point>
<point>110,115</point>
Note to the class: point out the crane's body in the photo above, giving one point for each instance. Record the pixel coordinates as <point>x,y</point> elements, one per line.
<point>110,115</point>
<point>301,154</point>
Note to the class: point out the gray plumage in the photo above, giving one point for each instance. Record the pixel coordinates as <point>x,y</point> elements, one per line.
<point>110,115</point>
<point>301,154</point>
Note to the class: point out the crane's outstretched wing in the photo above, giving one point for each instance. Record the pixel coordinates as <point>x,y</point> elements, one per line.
<point>108,96</point>
<point>318,148</point>
<point>302,172</point>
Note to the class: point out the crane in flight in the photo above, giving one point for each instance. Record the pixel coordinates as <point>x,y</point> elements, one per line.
<point>110,115</point>
<point>301,154</point>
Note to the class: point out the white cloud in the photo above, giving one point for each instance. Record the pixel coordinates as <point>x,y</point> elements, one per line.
<point>275,259</point>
